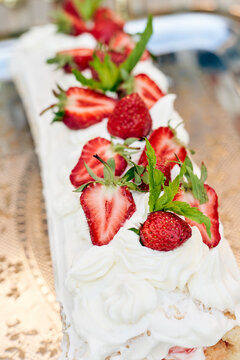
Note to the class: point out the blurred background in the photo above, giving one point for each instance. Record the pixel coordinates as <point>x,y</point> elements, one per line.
<point>19,15</point>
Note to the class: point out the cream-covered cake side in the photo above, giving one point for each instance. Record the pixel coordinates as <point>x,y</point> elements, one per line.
<point>104,285</point>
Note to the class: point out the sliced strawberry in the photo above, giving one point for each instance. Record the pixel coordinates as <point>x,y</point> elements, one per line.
<point>106,209</point>
<point>165,145</point>
<point>130,118</point>
<point>123,42</point>
<point>210,209</point>
<point>147,89</point>
<point>103,148</point>
<point>81,57</point>
<point>84,107</point>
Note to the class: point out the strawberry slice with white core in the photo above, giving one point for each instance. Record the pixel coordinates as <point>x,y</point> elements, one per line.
<point>165,146</point>
<point>106,209</point>
<point>103,148</point>
<point>85,107</point>
<point>147,89</point>
<point>210,209</point>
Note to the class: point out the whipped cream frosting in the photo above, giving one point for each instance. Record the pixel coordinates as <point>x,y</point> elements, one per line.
<point>122,297</point>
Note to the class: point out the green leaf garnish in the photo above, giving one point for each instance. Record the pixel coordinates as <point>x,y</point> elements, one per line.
<point>156,177</point>
<point>193,182</point>
<point>136,54</point>
<point>110,75</point>
<point>165,201</point>
<point>86,8</point>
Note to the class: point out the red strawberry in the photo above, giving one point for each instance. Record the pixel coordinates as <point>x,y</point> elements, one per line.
<point>70,8</point>
<point>80,108</point>
<point>106,209</point>
<point>106,24</point>
<point>123,42</point>
<point>165,145</point>
<point>79,57</point>
<point>130,118</point>
<point>103,14</point>
<point>162,165</point>
<point>164,231</point>
<point>147,89</point>
<point>77,25</point>
<point>102,147</point>
<point>210,209</point>
<point>104,30</point>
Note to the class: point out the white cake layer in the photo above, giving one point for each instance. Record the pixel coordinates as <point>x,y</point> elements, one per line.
<point>114,293</point>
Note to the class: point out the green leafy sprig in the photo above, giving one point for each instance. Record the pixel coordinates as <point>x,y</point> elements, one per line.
<point>165,201</point>
<point>110,75</point>
<point>191,182</point>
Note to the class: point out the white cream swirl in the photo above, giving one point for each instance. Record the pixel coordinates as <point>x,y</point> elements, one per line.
<point>122,302</point>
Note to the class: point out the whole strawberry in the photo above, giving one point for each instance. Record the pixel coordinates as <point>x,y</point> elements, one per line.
<point>164,231</point>
<point>130,118</point>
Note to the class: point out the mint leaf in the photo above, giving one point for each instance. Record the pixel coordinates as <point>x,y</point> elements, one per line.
<point>86,8</point>
<point>169,193</point>
<point>198,189</point>
<point>192,213</point>
<point>204,173</point>
<point>195,184</point>
<point>137,52</point>
<point>156,177</point>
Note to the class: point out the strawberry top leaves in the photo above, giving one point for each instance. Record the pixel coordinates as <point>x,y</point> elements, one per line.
<point>165,201</point>
<point>110,75</point>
